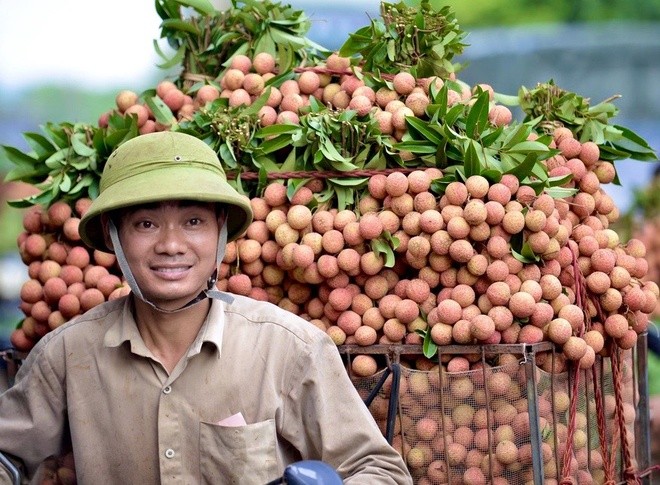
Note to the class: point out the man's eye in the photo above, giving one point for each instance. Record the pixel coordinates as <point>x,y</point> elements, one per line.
<point>144,224</point>
<point>195,221</point>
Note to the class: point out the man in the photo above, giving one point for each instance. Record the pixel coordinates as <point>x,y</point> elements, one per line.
<point>179,382</point>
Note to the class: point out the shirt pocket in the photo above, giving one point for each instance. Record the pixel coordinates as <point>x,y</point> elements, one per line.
<point>242,455</point>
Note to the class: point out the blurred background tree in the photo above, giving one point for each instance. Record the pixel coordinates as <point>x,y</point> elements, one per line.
<point>488,13</point>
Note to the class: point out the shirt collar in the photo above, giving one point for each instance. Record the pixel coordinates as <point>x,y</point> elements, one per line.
<point>125,329</point>
<point>212,329</point>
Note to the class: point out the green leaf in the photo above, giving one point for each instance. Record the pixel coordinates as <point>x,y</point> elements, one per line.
<point>377,162</point>
<point>267,164</point>
<point>85,181</point>
<point>493,176</point>
<point>560,192</point>
<point>528,253</point>
<point>79,145</point>
<point>453,114</point>
<point>180,25</point>
<point>161,111</point>
<point>40,144</point>
<point>439,185</point>
<point>290,162</point>
<point>559,180</point>
<point>23,174</point>
<point>82,163</point>
<point>332,154</point>
<point>43,199</point>
<point>391,240</point>
<point>522,258</point>
<point>202,6</point>
<point>276,129</point>
<point>424,129</point>
<point>274,144</point>
<point>523,170</point>
<point>66,183</point>
<point>416,146</point>
<point>429,347</point>
<point>472,163</point>
<point>19,158</point>
<point>349,182</point>
<point>265,44</point>
<point>514,136</point>
<point>540,171</point>
<point>175,60</point>
<point>354,44</point>
<point>344,197</point>
<point>477,118</point>
<point>505,99</point>
<point>528,147</point>
<point>285,57</point>
<point>633,137</point>
<point>57,159</point>
<point>93,189</point>
<point>383,249</point>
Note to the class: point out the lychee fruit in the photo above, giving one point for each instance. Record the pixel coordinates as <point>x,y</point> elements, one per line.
<point>403,83</point>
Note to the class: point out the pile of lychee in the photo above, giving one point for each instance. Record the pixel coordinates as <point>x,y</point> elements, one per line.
<point>335,84</point>
<point>454,273</point>
<point>649,235</point>
<point>471,422</point>
<point>65,277</point>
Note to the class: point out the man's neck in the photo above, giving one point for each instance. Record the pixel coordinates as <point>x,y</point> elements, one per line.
<point>169,335</point>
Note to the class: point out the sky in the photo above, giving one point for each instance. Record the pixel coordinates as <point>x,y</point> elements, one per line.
<point>98,45</point>
<point>86,42</point>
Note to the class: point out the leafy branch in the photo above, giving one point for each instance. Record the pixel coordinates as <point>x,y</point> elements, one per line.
<point>462,141</point>
<point>66,161</point>
<point>420,40</point>
<point>554,107</point>
<point>205,39</point>
<point>328,140</point>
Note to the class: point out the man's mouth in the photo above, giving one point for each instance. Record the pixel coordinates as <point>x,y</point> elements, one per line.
<point>171,271</point>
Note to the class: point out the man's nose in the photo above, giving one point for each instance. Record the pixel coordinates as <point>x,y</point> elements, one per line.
<point>171,240</point>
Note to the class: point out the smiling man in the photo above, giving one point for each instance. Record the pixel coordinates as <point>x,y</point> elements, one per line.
<point>179,382</point>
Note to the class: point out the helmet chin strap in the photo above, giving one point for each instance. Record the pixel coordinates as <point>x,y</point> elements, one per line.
<point>209,292</point>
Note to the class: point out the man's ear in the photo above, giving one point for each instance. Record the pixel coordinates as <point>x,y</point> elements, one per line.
<point>105,225</point>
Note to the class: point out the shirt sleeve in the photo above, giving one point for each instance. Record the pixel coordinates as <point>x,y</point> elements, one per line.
<point>32,411</point>
<point>325,418</point>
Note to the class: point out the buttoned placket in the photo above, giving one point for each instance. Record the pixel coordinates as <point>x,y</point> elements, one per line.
<point>169,426</point>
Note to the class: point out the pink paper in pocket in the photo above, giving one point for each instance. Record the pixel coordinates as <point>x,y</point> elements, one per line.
<point>233,421</point>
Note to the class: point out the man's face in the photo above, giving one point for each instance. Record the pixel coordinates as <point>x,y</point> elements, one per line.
<point>171,249</point>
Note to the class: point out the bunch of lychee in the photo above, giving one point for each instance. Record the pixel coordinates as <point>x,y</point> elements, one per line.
<point>470,421</point>
<point>335,84</point>
<point>65,277</point>
<point>455,273</point>
<point>649,235</point>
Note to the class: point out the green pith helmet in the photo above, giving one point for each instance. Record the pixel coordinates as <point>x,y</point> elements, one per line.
<point>158,167</point>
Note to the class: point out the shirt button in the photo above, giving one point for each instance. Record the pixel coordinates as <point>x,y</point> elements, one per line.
<point>169,453</point>
<point>167,390</point>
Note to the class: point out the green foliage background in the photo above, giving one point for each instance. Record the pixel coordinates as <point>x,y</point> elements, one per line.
<point>495,13</point>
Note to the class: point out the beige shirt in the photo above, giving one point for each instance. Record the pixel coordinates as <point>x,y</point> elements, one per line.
<point>131,422</point>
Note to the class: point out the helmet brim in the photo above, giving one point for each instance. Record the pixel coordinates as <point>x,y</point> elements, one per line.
<point>166,184</point>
